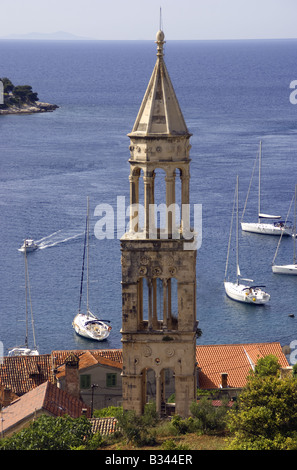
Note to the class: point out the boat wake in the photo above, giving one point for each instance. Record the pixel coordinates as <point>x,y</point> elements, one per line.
<point>56,238</point>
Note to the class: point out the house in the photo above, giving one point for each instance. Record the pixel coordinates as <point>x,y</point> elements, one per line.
<point>226,366</point>
<point>94,376</point>
<point>45,399</point>
<point>99,379</point>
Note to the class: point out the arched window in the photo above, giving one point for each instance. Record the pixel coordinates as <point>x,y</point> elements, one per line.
<point>157,304</point>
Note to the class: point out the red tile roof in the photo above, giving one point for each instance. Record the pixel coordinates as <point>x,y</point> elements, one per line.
<point>114,355</point>
<point>23,373</point>
<point>87,358</point>
<point>234,359</point>
<point>104,426</point>
<point>47,398</point>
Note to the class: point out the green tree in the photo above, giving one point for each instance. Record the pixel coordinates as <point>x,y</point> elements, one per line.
<point>25,94</point>
<point>50,433</point>
<point>267,366</point>
<point>266,418</point>
<point>7,85</point>
<point>137,428</point>
<point>210,418</point>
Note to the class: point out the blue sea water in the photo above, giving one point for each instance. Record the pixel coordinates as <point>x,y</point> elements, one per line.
<point>232,94</point>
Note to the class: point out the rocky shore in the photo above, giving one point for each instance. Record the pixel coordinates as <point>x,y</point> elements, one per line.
<point>37,107</point>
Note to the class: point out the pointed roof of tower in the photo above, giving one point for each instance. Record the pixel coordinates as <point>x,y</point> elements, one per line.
<point>159,113</point>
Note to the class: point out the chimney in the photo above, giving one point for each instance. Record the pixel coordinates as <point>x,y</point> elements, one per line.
<point>72,376</point>
<point>6,396</point>
<point>224,380</point>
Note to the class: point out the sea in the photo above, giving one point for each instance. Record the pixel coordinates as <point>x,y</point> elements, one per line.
<point>233,94</point>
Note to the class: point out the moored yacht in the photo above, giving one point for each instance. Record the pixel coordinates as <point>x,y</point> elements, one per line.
<point>238,290</point>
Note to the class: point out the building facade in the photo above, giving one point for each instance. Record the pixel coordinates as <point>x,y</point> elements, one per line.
<point>159,253</point>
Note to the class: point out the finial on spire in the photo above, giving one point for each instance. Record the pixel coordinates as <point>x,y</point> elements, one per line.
<point>160,37</point>
<point>161,25</point>
<point>160,42</point>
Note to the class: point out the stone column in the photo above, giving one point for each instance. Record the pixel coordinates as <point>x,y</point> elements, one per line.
<point>150,303</point>
<point>158,393</point>
<point>170,201</point>
<point>185,201</point>
<point>134,202</point>
<point>155,313</point>
<point>165,305</point>
<point>148,181</point>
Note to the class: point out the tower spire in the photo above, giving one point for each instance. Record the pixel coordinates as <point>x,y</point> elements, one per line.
<point>159,113</point>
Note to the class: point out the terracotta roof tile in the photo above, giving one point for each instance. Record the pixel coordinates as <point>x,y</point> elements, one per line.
<point>234,359</point>
<point>45,397</point>
<point>104,426</point>
<point>22,373</point>
<point>87,358</point>
<point>111,354</point>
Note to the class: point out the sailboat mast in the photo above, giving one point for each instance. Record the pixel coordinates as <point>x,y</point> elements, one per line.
<point>26,298</point>
<point>88,255</point>
<point>237,232</point>
<point>294,230</point>
<point>259,195</point>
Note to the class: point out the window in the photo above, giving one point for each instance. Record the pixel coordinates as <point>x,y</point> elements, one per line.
<point>111,380</point>
<point>85,381</point>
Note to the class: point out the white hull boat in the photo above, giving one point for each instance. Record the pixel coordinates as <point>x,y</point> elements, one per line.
<point>238,290</point>
<point>23,352</point>
<point>285,269</point>
<point>288,268</point>
<point>247,294</point>
<point>28,245</point>
<point>87,324</point>
<point>278,227</point>
<point>266,229</point>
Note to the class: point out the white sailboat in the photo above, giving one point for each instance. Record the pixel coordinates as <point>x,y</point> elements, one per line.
<point>241,290</point>
<point>288,268</point>
<point>25,350</point>
<point>87,324</point>
<point>262,226</point>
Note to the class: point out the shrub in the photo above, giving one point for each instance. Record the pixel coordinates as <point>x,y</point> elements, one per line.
<point>169,444</point>
<point>209,418</point>
<point>50,433</point>
<point>267,412</point>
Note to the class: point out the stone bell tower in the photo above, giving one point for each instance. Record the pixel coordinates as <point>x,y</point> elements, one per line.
<point>159,261</point>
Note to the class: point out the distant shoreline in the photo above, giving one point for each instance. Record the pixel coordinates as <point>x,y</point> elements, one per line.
<point>37,107</point>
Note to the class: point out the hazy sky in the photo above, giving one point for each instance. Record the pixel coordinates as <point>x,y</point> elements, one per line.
<point>139,19</point>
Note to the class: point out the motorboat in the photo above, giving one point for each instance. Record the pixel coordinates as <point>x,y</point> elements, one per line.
<point>239,290</point>
<point>87,324</point>
<point>267,224</point>
<point>28,245</point>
